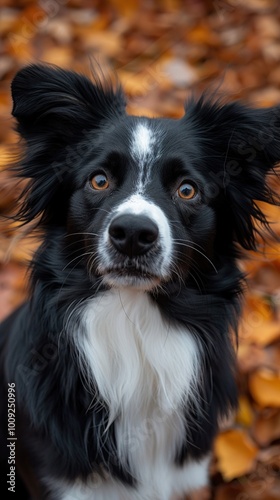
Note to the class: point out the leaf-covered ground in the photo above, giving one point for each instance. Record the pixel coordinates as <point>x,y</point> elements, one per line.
<point>163,52</point>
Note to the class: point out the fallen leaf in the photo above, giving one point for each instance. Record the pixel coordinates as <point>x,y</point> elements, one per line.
<point>61,56</point>
<point>245,413</point>
<point>236,453</point>
<point>264,386</point>
<point>258,324</point>
<point>266,427</point>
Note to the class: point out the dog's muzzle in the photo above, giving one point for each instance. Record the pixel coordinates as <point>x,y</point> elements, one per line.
<point>136,246</point>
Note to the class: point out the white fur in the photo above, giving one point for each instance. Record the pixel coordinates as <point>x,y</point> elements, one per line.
<point>138,205</point>
<point>143,151</point>
<point>145,369</point>
<point>191,477</point>
<point>142,141</point>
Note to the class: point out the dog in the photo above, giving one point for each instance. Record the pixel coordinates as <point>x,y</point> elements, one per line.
<point>122,360</point>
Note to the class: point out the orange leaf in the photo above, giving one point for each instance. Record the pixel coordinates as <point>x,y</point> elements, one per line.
<point>263,333</point>
<point>204,35</point>
<point>244,414</point>
<point>236,453</point>
<point>60,55</point>
<point>258,325</point>
<point>264,386</point>
<point>126,8</point>
<point>107,43</point>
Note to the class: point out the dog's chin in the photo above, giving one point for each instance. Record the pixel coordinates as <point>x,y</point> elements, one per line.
<point>137,280</point>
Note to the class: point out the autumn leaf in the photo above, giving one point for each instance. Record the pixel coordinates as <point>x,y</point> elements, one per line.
<point>236,453</point>
<point>266,427</point>
<point>264,386</point>
<point>245,414</point>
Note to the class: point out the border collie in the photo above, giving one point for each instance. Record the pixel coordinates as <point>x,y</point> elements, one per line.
<point>122,359</point>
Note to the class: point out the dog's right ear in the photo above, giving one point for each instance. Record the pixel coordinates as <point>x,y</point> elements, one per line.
<point>62,103</point>
<point>56,111</point>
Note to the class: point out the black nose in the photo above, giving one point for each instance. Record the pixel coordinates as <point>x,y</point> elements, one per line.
<point>133,235</point>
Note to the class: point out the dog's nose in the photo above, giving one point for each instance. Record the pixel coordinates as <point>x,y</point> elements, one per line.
<point>133,235</point>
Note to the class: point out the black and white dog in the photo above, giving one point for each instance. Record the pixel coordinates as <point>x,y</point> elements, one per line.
<point>122,360</point>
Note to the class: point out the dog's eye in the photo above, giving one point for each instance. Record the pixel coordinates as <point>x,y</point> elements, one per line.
<point>99,182</point>
<point>187,191</point>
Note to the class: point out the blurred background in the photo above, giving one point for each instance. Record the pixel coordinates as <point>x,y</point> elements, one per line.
<point>164,51</point>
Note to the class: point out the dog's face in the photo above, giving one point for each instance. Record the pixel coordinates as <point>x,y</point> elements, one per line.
<point>140,204</point>
<point>147,201</point>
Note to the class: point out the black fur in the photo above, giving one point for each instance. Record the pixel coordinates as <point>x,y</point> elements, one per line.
<point>70,127</point>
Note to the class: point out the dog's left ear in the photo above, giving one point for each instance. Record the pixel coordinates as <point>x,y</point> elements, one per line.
<point>241,146</point>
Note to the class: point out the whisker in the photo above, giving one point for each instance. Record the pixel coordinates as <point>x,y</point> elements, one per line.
<point>201,253</point>
<point>81,233</point>
<point>187,241</point>
<point>80,256</point>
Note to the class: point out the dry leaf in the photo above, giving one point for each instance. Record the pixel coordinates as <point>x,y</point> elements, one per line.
<point>245,414</point>
<point>255,329</point>
<point>236,453</point>
<point>62,56</point>
<point>264,386</point>
<point>258,324</point>
<point>266,428</point>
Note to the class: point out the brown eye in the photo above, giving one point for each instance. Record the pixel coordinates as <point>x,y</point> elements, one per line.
<point>100,182</point>
<point>187,191</point>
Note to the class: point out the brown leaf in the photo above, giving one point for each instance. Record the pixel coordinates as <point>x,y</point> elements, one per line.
<point>266,428</point>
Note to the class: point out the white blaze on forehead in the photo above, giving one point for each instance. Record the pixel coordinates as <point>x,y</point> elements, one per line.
<point>142,140</point>
<point>144,151</point>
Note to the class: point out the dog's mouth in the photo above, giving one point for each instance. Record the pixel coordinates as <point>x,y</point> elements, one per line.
<point>130,275</point>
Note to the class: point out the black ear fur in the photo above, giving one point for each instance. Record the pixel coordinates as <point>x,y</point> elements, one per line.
<point>55,110</point>
<point>47,98</point>
<point>240,147</point>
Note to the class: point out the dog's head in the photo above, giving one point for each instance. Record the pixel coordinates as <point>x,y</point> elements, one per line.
<point>146,201</point>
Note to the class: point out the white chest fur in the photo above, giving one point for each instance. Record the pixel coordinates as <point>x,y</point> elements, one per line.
<point>145,369</point>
